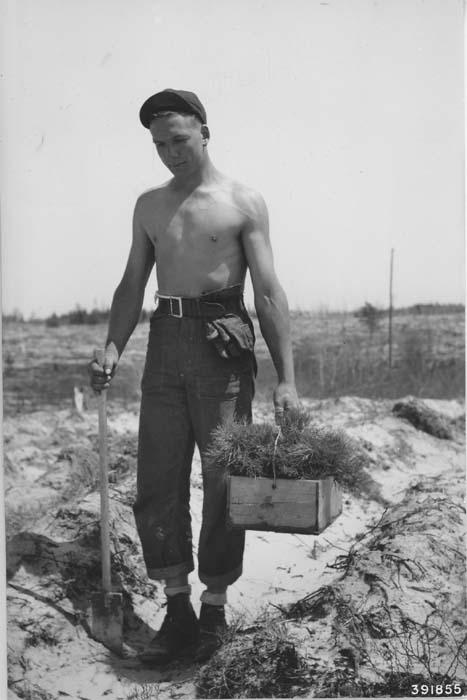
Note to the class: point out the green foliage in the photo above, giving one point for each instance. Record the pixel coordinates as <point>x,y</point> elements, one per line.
<point>302,450</point>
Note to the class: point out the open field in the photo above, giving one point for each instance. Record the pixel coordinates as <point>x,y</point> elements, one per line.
<point>335,355</point>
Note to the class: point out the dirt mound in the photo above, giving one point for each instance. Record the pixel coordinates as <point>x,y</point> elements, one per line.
<point>422,417</point>
<point>53,569</point>
<point>398,611</point>
<point>394,617</point>
<point>54,458</point>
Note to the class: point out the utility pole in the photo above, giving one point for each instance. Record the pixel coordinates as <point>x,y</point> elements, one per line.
<point>390,305</point>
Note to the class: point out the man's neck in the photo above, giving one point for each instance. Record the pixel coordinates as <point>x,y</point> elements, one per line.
<point>205,175</point>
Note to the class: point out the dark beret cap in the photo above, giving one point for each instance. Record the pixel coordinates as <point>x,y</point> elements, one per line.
<point>177,100</point>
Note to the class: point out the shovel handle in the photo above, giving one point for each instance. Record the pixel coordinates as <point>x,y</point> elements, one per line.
<point>104,484</point>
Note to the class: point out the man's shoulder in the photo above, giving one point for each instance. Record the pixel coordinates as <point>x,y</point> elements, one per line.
<point>247,199</point>
<point>153,196</point>
<point>243,192</point>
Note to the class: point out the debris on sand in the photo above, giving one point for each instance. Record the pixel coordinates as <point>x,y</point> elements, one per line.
<point>392,618</point>
<point>311,647</point>
<point>259,664</point>
<point>52,572</point>
<point>424,418</point>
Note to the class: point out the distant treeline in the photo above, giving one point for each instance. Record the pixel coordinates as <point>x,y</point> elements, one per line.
<point>81,316</point>
<point>430,309</point>
<point>369,309</point>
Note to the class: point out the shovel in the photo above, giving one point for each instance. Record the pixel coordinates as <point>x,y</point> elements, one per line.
<point>106,607</point>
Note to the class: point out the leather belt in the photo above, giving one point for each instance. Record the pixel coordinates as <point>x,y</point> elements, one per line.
<point>197,307</point>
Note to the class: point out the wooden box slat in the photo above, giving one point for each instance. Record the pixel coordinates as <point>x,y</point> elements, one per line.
<point>296,505</point>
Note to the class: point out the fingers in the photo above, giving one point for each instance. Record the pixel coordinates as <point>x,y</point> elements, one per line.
<point>281,410</point>
<point>278,414</point>
<point>109,366</point>
<point>101,370</point>
<point>99,378</point>
<point>285,399</point>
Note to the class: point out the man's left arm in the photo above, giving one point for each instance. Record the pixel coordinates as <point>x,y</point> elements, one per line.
<point>270,302</point>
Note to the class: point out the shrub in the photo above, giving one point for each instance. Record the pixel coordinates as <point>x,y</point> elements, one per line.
<point>77,316</point>
<point>370,316</point>
<point>52,321</point>
<point>15,317</point>
<point>257,665</point>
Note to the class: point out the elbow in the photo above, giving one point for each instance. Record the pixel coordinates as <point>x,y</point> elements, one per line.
<point>270,298</point>
<point>264,303</point>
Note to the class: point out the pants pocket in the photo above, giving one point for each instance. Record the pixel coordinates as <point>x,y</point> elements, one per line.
<point>220,387</point>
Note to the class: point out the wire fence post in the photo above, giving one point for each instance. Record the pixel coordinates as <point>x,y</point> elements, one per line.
<point>390,306</point>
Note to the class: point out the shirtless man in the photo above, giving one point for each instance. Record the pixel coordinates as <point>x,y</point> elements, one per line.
<point>202,230</point>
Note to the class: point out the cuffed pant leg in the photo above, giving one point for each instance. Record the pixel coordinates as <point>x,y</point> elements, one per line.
<point>165,451</point>
<point>216,399</point>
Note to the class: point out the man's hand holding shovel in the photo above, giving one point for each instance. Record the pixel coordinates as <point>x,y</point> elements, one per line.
<point>102,369</point>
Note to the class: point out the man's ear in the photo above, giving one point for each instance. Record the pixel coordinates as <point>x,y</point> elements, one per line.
<point>205,133</point>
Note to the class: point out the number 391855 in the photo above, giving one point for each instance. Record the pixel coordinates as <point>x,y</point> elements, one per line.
<point>438,689</point>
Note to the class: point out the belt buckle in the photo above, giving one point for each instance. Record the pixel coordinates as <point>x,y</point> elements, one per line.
<point>180,307</point>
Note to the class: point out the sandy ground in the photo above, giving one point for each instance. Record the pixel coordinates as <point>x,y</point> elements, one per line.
<point>52,509</point>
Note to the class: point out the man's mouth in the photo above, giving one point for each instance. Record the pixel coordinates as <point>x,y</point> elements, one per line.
<point>178,165</point>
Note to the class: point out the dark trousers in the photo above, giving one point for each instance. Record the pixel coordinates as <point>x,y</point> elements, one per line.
<point>187,390</point>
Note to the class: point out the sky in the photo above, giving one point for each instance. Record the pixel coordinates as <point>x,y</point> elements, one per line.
<point>347,115</point>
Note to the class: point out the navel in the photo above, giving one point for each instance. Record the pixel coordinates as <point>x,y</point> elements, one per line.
<point>213,238</point>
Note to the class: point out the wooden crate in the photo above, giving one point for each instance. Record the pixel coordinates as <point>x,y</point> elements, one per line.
<point>295,505</point>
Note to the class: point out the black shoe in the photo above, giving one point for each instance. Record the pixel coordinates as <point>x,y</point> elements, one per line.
<point>212,629</point>
<point>178,633</point>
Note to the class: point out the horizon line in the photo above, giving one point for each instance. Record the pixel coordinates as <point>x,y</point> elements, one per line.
<point>315,309</point>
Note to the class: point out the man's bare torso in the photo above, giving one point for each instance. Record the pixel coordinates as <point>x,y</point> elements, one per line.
<point>197,237</point>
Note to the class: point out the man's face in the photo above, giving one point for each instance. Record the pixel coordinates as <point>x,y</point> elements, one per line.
<point>179,143</point>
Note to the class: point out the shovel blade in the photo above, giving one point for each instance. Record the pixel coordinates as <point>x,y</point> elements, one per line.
<point>107,620</point>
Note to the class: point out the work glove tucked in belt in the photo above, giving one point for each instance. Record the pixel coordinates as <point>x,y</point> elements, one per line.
<point>230,335</point>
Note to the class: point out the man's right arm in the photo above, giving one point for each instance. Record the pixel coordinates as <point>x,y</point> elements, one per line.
<point>127,301</point>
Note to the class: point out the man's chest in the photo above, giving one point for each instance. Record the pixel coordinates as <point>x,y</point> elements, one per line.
<point>197,222</point>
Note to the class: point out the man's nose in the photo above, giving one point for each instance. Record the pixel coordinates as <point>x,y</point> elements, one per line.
<point>174,151</point>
